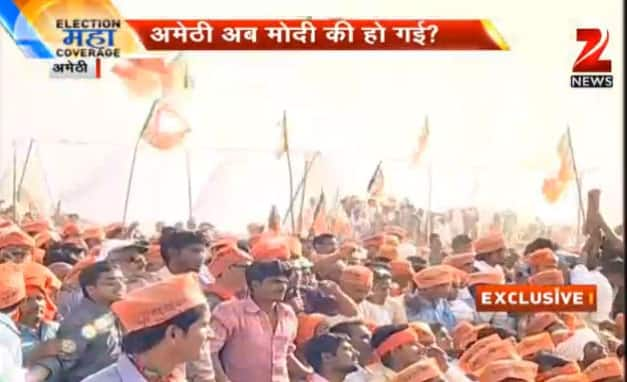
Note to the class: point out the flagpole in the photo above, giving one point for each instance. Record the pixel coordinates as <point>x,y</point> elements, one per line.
<point>189,184</point>
<point>300,186</point>
<point>429,217</point>
<point>581,214</point>
<point>132,171</point>
<point>24,167</point>
<point>289,169</point>
<point>302,198</point>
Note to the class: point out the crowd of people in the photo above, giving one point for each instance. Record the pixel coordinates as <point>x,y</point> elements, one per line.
<point>379,299</point>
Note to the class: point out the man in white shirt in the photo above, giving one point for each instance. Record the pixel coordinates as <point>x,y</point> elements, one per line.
<point>12,293</point>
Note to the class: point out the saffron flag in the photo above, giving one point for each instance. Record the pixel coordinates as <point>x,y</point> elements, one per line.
<point>153,77</point>
<point>423,139</point>
<point>320,225</point>
<point>165,128</point>
<point>284,142</point>
<point>553,188</point>
<point>342,226</point>
<point>376,183</point>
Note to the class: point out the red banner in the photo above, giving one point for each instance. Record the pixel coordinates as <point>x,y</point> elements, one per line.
<point>326,34</point>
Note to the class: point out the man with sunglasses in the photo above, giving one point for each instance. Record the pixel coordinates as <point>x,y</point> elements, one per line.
<point>228,266</point>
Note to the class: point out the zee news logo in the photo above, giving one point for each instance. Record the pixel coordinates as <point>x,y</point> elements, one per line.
<point>589,61</point>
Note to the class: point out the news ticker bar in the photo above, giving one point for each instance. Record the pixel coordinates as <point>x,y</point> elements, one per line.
<point>318,34</point>
<point>79,68</point>
<point>536,298</point>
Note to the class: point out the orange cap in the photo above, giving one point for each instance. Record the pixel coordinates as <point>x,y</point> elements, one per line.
<point>424,332</point>
<point>540,321</point>
<point>459,260</point>
<point>307,326</point>
<point>609,367</point>
<point>270,248</point>
<point>421,371</point>
<point>466,333</point>
<point>459,277</point>
<point>578,377</point>
<point>474,349</point>
<point>397,231</point>
<point>71,230</point>
<point>547,277</point>
<point>542,259</point>
<point>505,369</point>
<point>225,258</point>
<point>159,302</point>
<point>568,369</point>
<point>401,268</point>
<point>433,276</point>
<point>561,335</point>
<point>396,340</point>
<point>36,226</point>
<point>357,275</point>
<point>530,345</point>
<point>495,351</point>
<point>44,237</point>
<point>490,243</point>
<point>39,277</point>
<point>489,277</point>
<point>94,233</point>
<point>372,241</point>
<point>388,251</point>
<point>15,237</point>
<point>12,286</point>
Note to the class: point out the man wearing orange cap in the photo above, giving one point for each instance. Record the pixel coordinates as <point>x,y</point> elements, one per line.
<point>261,326</point>
<point>12,293</point>
<point>90,334</point>
<point>430,302</point>
<point>607,369</point>
<point>166,324</point>
<point>227,267</point>
<point>15,245</point>
<point>370,369</point>
<point>493,277</point>
<point>332,357</point>
<point>397,346</point>
<point>490,252</point>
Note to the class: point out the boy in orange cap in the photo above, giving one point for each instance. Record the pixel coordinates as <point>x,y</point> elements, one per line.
<point>490,252</point>
<point>227,267</point>
<point>15,245</point>
<point>12,293</point>
<point>397,346</point>
<point>430,303</point>
<point>166,324</point>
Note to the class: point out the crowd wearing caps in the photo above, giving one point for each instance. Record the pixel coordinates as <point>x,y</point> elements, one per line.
<point>388,304</point>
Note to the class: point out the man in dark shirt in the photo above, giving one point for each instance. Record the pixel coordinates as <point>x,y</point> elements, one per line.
<point>90,336</point>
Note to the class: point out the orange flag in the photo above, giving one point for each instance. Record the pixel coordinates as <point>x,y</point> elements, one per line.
<point>320,216</point>
<point>423,139</point>
<point>553,188</point>
<point>153,77</point>
<point>342,226</point>
<point>165,127</point>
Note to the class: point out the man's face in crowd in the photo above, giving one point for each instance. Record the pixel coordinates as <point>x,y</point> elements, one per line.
<point>189,345</point>
<point>357,292</point>
<point>109,288</point>
<point>33,305</point>
<point>272,288</point>
<point>326,246</point>
<point>360,340</point>
<point>189,259</point>
<point>345,360</point>
<point>381,289</point>
<point>497,257</point>
<point>130,260</point>
<point>14,254</point>
<point>408,354</point>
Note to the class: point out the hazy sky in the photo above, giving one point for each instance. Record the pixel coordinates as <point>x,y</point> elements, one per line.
<point>495,117</point>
